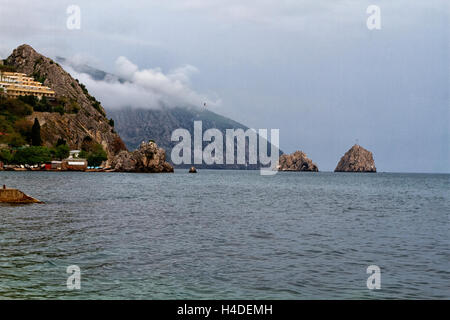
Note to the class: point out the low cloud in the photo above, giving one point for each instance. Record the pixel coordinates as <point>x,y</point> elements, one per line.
<point>143,88</point>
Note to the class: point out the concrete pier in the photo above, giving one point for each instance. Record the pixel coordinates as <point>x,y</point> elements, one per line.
<point>15,196</point>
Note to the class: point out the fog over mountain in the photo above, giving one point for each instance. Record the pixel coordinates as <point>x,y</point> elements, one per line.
<point>145,117</point>
<point>135,88</point>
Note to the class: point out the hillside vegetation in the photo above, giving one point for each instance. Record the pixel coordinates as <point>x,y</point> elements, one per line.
<point>20,138</point>
<point>75,115</point>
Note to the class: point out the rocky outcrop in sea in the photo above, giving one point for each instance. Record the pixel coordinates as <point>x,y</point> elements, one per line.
<point>148,158</point>
<point>357,159</point>
<point>192,170</point>
<point>298,161</point>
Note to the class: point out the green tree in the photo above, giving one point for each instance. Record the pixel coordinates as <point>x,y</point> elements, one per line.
<point>95,156</point>
<point>23,127</point>
<point>15,140</point>
<point>59,109</point>
<point>6,156</point>
<point>32,155</point>
<point>43,105</point>
<point>36,133</point>
<point>15,107</point>
<point>61,141</point>
<point>61,151</point>
<point>30,100</point>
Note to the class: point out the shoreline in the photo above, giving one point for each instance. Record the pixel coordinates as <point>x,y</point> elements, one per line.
<point>180,170</point>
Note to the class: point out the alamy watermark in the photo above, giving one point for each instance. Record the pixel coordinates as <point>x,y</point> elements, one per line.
<point>374,280</point>
<point>374,19</point>
<point>73,21</point>
<point>214,153</point>
<point>74,280</point>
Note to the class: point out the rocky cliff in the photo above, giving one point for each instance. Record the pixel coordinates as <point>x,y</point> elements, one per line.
<point>298,161</point>
<point>148,158</point>
<point>357,159</point>
<point>83,118</point>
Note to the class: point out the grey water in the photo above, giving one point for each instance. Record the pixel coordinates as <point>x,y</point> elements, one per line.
<point>226,235</point>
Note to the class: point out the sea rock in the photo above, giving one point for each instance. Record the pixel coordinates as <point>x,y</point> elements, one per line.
<point>298,161</point>
<point>148,158</point>
<point>192,170</point>
<point>357,159</point>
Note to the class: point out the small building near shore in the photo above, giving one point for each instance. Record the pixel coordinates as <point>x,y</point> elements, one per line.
<point>56,165</point>
<point>17,84</point>
<point>71,164</point>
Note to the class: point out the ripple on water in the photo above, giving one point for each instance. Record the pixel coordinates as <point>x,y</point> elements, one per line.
<point>226,234</point>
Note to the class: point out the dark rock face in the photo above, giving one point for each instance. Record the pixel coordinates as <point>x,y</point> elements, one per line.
<point>298,161</point>
<point>357,159</point>
<point>88,121</point>
<point>148,158</point>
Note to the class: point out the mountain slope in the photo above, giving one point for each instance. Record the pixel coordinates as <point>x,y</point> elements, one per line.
<point>136,125</point>
<point>84,118</point>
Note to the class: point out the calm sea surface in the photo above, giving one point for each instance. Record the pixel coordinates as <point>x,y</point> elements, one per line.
<point>226,234</point>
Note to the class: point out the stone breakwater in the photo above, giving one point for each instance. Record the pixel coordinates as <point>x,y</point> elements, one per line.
<point>15,196</point>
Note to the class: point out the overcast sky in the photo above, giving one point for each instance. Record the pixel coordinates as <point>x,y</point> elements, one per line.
<point>310,68</point>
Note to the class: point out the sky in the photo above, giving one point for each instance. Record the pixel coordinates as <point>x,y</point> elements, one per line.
<point>312,69</point>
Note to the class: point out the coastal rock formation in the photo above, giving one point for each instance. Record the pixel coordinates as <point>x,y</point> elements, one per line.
<point>357,159</point>
<point>83,118</point>
<point>148,158</point>
<point>192,170</point>
<point>298,161</point>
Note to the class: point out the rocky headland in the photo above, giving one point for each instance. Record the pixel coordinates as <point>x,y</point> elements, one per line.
<point>357,159</point>
<point>298,161</point>
<point>84,117</point>
<point>82,120</point>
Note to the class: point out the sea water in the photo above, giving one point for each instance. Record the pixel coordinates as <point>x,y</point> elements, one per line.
<point>223,234</point>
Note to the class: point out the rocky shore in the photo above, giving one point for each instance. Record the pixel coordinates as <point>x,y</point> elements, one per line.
<point>148,158</point>
<point>357,159</point>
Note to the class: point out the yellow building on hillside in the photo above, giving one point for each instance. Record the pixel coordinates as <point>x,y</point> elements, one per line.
<point>17,84</point>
